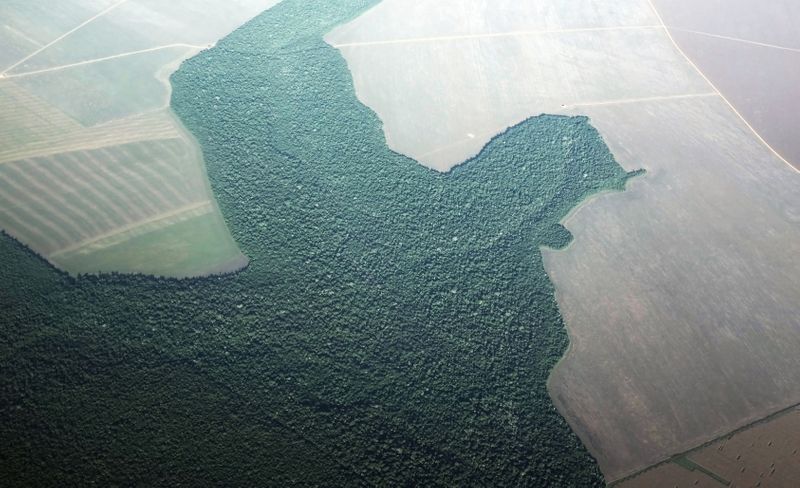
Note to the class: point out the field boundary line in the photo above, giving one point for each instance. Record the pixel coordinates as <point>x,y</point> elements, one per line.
<point>624,101</point>
<point>88,142</point>
<point>772,416</point>
<point>714,87</point>
<point>736,39</point>
<point>23,36</point>
<point>133,226</point>
<point>414,40</point>
<point>62,37</point>
<point>100,60</point>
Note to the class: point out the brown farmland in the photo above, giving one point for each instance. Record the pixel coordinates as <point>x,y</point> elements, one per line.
<point>765,455</point>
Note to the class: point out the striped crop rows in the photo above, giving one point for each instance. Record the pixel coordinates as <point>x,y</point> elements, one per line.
<point>63,200</point>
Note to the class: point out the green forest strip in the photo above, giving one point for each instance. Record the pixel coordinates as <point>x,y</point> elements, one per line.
<point>395,327</point>
<point>690,465</point>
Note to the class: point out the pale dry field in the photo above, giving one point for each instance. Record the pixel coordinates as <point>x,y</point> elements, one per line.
<point>471,69</point>
<point>750,50</point>
<point>92,160</point>
<point>682,295</point>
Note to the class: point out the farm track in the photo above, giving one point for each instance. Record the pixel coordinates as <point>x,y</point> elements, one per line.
<point>105,58</point>
<point>63,36</point>
<point>737,39</point>
<point>192,210</point>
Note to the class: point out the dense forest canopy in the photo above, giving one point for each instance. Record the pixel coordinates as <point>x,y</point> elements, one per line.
<point>395,326</point>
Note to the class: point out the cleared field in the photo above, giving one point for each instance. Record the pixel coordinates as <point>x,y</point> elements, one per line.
<point>672,475</point>
<point>87,193</point>
<point>109,90</point>
<point>137,25</point>
<point>96,174</point>
<point>77,194</point>
<point>766,455</point>
<point>490,67</point>
<point>27,120</point>
<point>682,295</point>
<point>171,237</point>
<point>751,53</point>
<point>773,22</point>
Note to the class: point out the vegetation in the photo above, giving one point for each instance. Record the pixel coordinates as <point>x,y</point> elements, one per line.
<point>395,325</point>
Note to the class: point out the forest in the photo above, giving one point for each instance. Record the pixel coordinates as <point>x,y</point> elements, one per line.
<point>395,326</point>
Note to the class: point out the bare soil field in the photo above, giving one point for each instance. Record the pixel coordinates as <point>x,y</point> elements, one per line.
<point>681,295</point>
<point>672,475</point>
<point>91,157</point>
<point>750,51</point>
<point>765,455</point>
<point>773,22</point>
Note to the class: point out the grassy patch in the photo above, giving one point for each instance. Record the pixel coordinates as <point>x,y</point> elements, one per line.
<point>180,246</point>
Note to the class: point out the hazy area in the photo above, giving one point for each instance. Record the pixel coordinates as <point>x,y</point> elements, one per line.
<point>91,157</point>
<point>682,293</point>
<point>751,51</point>
<point>773,22</point>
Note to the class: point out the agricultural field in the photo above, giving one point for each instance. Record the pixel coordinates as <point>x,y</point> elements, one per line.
<point>765,455</point>
<point>682,294</point>
<point>752,55</point>
<point>697,325</point>
<point>96,173</point>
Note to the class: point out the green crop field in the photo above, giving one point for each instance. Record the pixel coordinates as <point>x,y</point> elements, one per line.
<point>395,325</point>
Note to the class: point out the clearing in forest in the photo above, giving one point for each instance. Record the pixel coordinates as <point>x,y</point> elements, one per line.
<point>96,173</point>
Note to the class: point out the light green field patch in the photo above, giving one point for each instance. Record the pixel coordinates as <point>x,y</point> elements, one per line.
<point>188,244</point>
<point>108,90</point>
<point>26,119</point>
